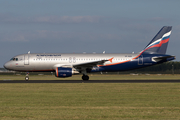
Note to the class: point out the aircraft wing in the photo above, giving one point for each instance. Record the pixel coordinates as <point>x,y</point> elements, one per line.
<point>90,64</point>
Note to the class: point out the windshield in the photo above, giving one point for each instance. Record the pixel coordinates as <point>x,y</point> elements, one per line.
<point>14,59</point>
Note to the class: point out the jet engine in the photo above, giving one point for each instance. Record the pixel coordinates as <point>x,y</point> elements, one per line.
<point>63,72</point>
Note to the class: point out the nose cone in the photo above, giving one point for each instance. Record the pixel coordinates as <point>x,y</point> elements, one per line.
<point>6,65</point>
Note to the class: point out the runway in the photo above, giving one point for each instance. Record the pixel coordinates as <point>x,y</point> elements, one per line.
<point>90,81</point>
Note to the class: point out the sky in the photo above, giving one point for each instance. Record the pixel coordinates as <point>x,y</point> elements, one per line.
<point>77,26</point>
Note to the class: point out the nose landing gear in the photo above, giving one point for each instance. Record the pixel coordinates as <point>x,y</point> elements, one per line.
<point>27,76</point>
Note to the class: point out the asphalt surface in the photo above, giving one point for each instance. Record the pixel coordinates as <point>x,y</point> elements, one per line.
<point>90,81</point>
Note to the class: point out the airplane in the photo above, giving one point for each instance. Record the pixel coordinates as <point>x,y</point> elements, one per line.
<point>66,65</point>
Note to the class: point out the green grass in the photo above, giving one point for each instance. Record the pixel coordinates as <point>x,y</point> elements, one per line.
<point>96,77</point>
<point>89,101</point>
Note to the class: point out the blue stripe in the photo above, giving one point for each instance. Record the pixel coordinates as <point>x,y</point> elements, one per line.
<point>165,37</point>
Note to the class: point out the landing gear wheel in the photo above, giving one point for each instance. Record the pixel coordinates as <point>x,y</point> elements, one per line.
<point>26,78</point>
<point>85,77</point>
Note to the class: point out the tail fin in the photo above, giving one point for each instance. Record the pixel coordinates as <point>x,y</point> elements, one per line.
<point>159,43</point>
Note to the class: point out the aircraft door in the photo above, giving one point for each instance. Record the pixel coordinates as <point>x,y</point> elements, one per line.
<point>70,59</point>
<point>74,59</point>
<point>140,60</point>
<point>26,59</point>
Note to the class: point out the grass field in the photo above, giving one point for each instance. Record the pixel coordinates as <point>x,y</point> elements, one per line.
<point>89,101</point>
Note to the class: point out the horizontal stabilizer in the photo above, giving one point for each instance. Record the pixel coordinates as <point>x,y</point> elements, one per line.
<point>157,59</point>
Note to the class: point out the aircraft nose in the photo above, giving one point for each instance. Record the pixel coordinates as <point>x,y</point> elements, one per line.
<point>6,65</point>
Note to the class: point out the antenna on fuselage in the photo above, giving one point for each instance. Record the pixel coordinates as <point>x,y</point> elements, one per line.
<point>29,52</point>
<point>104,52</point>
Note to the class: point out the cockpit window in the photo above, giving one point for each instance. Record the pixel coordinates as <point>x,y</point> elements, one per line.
<point>14,59</point>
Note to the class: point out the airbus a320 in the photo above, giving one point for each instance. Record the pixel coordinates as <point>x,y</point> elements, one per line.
<point>65,65</point>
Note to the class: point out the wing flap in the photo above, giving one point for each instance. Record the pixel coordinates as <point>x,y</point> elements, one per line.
<point>90,64</point>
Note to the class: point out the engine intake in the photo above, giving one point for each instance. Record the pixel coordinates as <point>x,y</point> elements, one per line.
<point>63,72</point>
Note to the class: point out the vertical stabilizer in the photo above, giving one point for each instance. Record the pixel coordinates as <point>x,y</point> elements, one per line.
<point>159,43</point>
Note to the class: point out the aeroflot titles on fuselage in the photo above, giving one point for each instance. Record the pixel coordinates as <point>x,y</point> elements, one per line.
<point>48,55</point>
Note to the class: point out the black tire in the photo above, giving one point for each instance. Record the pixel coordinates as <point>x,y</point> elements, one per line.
<point>85,77</point>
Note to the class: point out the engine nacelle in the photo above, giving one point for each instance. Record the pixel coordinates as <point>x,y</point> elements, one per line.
<point>63,72</point>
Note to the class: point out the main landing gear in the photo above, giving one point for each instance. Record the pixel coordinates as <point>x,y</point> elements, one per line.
<point>85,77</point>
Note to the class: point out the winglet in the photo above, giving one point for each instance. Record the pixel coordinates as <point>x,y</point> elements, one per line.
<point>111,59</point>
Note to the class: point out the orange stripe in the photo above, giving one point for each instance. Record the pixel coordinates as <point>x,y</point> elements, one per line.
<point>111,59</point>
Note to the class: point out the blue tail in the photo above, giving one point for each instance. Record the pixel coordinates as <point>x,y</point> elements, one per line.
<point>159,43</point>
